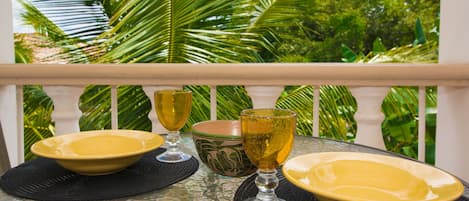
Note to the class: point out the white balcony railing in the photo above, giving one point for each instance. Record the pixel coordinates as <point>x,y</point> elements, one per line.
<point>369,84</point>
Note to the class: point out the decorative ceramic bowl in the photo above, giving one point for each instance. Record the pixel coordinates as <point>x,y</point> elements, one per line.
<point>220,147</point>
<point>98,152</point>
<point>370,177</point>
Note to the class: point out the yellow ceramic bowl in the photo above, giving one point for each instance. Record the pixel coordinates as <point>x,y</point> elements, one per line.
<point>220,147</point>
<point>98,152</point>
<point>359,177</point>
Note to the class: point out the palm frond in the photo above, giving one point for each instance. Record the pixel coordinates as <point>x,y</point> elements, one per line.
<point>23,54</point>
<point>79,19</point>
<point>175,32</point>
<point>337,107</point>
<point>37,117</point>
<point>43,25</point>
<point>300,100</point>
<point>276,13</point>
<point>229,107</point>
<point>266,17</point>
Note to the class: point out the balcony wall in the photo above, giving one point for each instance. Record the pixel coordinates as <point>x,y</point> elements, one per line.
<point>369,84</point>
<point>452,80</point>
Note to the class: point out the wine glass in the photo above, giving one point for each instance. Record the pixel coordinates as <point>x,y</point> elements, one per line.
<point>267,140</point>
<point>173,108</point>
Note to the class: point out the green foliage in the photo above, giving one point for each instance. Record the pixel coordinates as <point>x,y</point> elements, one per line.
<point>378,46</point>
<point>338,107</point>
<point>185,31</point>
<point>348,55</point>
<point>229,107</point>
<point>23,54</point>
<point>41,24</point>
<point>37,106</point>
<point>357,24</point>
<point>204,31</point>
<point>299,99</point>
<point>419,33</point>
<point>400,126</point>
<point>37,117</point>
<point>95,103</point>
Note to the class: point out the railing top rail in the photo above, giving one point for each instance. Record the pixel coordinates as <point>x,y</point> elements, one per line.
<point>350,74</point>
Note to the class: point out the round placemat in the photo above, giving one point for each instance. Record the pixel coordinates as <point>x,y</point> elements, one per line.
<point>44,179</point>
<point>284,190</point>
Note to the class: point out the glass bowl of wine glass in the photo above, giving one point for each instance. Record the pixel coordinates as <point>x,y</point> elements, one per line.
<point>268,135</point>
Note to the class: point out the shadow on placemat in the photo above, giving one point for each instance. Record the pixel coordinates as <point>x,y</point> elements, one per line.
<point>285,190</point>
<point>44,179</point>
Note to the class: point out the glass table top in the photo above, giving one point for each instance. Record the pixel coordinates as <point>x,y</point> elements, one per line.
<point>206,185</point>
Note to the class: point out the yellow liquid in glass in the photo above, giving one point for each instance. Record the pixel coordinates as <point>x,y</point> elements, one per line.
<point>173,108</point>
<point>267,142</point>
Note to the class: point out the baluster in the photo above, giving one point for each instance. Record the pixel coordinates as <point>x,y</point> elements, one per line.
<point>149,91</point>
<point>316,108</point>
<point>264,96</point>
<point>66,114</point>
<point>369,116</point>
<point>114,108</point>
<point>421,123</point>
<point>213,102</point>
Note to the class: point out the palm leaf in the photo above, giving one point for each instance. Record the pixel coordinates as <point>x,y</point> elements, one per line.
<point>266,17</point>
<point>175,32</point>
<point>299,99</point>
<point>80,19</point>
<point>37,117</point>
<point>230,106</point>
<point>23,54</point>
<point>41,24</point>
<point>337,109</point>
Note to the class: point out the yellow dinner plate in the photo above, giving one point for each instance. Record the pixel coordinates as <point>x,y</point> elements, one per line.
<point>360,176</point>
<point>98,152</point>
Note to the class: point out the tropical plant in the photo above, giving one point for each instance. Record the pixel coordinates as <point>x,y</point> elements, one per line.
<point>23,54</point>
<point>37,117</point>
<point>37,105</point>
<point>205,31</point>
<point>180,31</point>
<point>356,23</point>
<point>400,127</point>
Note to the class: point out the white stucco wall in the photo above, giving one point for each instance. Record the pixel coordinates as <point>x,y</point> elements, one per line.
<point>452,138</point>
<point>8,115</point>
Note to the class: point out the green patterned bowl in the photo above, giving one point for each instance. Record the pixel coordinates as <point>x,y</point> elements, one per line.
<point>220,147</point>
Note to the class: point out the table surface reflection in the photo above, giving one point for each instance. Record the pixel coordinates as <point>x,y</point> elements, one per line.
<point>206,185</point>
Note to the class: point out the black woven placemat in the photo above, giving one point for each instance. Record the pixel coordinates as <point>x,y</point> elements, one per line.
<point>44,179</point>
<point>284,190</point>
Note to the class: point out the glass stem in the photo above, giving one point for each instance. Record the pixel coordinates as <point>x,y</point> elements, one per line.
<point>173,139</point>
<point>266,182</point>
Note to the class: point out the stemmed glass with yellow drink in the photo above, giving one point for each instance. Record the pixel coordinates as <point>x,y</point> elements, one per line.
<point>267,140</point>
<point>173,108</point>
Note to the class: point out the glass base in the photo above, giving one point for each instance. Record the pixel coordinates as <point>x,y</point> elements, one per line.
<point>257,199</point>
<point>173,157</point>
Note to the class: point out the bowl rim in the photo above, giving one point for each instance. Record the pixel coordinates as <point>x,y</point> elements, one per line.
<point>159,141</point>
<point>320,192</point>
<point>196,132</point>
